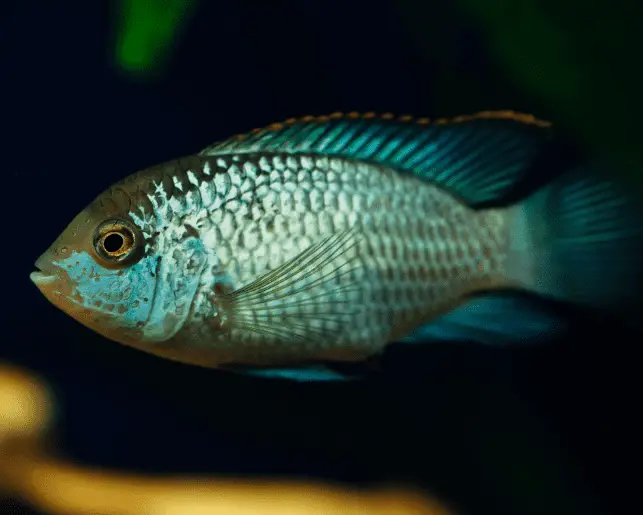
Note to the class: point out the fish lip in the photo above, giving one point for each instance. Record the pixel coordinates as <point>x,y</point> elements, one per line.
<point>41,278</point>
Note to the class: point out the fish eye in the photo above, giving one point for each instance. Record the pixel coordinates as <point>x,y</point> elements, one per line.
<point>117,242</point>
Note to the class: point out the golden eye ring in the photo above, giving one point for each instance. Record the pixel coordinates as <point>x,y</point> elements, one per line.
<point>118,242</point>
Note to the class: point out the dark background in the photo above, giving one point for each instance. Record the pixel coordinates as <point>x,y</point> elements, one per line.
<point>515,431</point>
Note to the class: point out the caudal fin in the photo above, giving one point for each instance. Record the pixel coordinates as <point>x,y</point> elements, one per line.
<point>580,239</point>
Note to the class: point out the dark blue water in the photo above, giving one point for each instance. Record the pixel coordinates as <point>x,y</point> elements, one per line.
<point>491,430</point>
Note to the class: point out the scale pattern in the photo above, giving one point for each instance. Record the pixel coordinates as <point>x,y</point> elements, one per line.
<point>411,251</point>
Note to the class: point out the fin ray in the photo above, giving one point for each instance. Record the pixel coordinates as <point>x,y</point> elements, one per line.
<point>295,302</point>
<point>583,236</point>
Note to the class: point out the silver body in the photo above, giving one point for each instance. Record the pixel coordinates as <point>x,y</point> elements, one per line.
<point>412,251</point>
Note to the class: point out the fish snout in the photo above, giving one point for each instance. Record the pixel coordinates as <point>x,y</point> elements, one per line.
<point>49,279</point>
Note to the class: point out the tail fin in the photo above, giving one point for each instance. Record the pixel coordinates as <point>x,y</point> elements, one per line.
<point>580,239</point>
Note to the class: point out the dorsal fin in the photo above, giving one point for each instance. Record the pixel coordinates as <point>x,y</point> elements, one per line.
<point>480,157</point>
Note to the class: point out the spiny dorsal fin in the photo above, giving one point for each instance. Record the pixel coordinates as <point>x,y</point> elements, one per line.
<point>478,156</point>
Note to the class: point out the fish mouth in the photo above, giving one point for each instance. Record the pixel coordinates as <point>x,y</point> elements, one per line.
<point>52,284</point>
<point>43,275</point>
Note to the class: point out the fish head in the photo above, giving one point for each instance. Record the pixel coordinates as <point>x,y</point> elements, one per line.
<point>118,273</point>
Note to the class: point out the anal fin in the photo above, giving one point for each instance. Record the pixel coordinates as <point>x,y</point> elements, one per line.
<point>493,319</point>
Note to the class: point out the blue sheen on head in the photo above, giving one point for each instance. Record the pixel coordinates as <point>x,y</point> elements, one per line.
<point>126,293</point>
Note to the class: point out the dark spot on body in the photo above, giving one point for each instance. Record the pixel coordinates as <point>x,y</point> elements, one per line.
<point>191,231</point>
<point>145,299</point>
<point>140,324</point>
<point>220,288</point>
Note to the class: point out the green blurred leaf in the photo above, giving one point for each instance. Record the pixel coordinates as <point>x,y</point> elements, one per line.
<point>147,31</point>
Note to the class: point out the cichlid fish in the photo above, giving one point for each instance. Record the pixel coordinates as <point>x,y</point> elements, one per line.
<point>320,240</point>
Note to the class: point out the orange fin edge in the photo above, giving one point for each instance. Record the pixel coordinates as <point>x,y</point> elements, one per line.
<point>354,115</point>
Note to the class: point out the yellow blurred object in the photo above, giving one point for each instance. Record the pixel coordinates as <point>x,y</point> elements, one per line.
<point>28,472</point>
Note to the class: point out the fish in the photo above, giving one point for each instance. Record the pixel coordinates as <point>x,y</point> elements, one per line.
<point>303,249</point>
